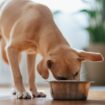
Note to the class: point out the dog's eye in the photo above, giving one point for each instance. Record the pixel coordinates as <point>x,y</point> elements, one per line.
<point>76,74</point>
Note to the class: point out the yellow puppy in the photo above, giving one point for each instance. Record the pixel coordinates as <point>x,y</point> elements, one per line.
<point>28,26</point>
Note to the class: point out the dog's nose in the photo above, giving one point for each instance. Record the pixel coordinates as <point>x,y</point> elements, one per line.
<point>61,78</point>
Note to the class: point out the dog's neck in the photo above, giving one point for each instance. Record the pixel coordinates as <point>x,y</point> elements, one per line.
<point>54,41</point>
<point>58,49</point>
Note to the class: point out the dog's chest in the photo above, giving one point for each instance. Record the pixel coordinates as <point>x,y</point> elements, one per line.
<point>31,51</point>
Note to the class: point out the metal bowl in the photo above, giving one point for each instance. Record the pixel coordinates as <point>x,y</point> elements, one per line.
<point>69,90</point>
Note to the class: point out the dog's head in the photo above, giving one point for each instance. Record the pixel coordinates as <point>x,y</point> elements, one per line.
<point>65,63</point>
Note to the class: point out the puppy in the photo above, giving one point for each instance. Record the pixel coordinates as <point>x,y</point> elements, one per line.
<point>28,26</point>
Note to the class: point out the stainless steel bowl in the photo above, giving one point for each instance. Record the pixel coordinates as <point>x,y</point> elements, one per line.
<point>67,89</point>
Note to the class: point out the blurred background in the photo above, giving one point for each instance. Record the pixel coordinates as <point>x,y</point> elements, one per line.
<point>82,23</point>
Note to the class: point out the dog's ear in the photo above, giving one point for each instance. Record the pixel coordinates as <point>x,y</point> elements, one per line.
<point>43,69</point>
<point>90,56</point>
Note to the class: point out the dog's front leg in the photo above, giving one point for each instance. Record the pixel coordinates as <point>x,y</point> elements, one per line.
<point>31,73</point>
<point>12,55</point>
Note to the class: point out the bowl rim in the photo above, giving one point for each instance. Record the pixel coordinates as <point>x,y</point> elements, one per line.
<point>69,81</point>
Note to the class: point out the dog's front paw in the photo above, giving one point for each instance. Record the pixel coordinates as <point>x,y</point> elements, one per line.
<point>13,91</point>
<point>38,94</point>
<point>23,95</point>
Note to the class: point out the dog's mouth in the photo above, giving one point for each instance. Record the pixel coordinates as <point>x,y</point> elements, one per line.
<point>61,78</point>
